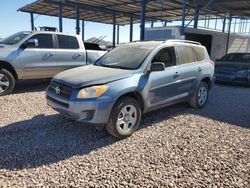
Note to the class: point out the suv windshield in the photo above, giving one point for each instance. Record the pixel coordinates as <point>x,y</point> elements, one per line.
<point>237,57</point>
<point>125,56</point>
<point>14,39</point>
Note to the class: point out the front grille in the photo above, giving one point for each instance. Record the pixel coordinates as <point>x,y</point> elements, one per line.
<point>65,105</point>
<point>65,90</point>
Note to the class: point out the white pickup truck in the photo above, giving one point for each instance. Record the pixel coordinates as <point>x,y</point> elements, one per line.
<point>40,54</point>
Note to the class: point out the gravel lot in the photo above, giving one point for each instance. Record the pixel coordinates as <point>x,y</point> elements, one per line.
<point>175,147</point>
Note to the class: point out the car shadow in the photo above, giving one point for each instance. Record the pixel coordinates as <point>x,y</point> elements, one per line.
<point>48,139</point>
<point>25,86</point>
<point>45,140</point>
<point>227,104</point>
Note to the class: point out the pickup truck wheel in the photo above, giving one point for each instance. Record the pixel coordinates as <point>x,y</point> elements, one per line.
<point>7,82</point>
<point>199,100</point>
<point>125,118</point>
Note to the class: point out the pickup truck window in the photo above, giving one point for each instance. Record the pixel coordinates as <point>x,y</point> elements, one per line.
<point>15,38</point>
<point>67,42</point>
<point>44,40</point>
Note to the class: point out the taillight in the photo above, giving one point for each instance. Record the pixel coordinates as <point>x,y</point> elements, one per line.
<point>212,62</point>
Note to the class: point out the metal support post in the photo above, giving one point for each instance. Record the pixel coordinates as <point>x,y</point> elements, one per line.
<point>77,19</point>
<point>152,24</point>
<point>60,17</point>
<point>118,34</point>
<point>32,21</point>
<point>208,21</point>
<point>114,24</point>
<point>83,30</point>
<point>224,24</point>
<point>131,29</point>
<point>143,9</point>
<point>235,22</point>
<point>216,21</point>
<point>228,35</point>
<point>246,26</point>
<point>183,17</point>
<point>196,18</point>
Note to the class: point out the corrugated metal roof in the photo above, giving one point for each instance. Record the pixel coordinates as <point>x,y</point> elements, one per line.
<point>165,10</point>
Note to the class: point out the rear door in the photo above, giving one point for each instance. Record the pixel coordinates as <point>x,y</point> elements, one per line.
<point>40,61</point>
<point>189,68</point>
<point>69,53</point>
<point>163,85</point>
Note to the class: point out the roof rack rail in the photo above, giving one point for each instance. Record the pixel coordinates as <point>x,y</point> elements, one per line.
<point>185,41</point>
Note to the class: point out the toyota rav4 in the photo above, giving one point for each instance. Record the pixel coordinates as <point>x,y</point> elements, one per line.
<point>133,79</point>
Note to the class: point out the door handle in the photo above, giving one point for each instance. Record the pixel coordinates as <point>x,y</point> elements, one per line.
<point>77,55</point>
<point>199,69</point>
<point>50,54</point>
<point>176,75</point>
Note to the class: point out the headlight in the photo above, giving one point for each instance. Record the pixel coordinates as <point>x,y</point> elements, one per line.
<point>92,92</point>
<point>243,72</point>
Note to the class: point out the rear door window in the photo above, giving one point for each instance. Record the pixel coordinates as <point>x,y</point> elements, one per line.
<point>67,42</point>
<point>185,54</point>
<point>199,53</point>
<point>44,40</point>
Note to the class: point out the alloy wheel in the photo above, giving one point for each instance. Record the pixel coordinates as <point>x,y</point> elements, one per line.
<point>202,95</point>
<point>127,118</point>
<point>4,83</point>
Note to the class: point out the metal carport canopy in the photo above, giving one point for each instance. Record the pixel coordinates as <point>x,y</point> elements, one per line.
<point>122,12</point>
<point>164,10</point>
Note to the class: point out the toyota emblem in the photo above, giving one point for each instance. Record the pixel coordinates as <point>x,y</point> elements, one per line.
<point>57,90</point>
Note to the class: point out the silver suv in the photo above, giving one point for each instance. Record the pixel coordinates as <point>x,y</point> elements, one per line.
<point>131,80</point>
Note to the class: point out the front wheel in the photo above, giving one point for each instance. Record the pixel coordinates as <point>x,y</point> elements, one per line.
<point>199,100</point>
<point>125,118</point>
<point>7,82</point>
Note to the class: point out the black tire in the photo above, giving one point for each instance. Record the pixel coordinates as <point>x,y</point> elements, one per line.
<point>6,76</point>
<point>125,103</point>
<point>195,101</point>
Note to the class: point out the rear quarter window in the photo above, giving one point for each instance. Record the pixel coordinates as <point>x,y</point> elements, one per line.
<point>199,53</point>
<point>67,42</point>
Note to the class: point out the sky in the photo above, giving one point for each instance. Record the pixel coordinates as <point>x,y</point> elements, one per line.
<point>13,21</point>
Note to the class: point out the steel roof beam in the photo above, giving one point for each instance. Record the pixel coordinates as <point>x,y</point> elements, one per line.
<point>228,1</point>
<point>198,13</point>
<point>101,9</point>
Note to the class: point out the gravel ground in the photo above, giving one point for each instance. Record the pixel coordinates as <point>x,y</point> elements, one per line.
<point>175,147</point>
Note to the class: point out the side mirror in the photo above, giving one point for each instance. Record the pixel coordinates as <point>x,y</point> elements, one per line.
<point>157,66</point>
<point>31,43</point>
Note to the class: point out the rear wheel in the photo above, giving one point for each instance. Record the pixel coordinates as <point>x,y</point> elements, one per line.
<point>199,100</point>
<point>124,118</point>
<point>7,82</point>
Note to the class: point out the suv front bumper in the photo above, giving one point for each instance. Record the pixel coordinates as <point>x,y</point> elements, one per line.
<point>91,111</point>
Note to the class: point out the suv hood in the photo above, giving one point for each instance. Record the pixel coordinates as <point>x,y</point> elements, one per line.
<point>5,50</point>
<point>91,74</point>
